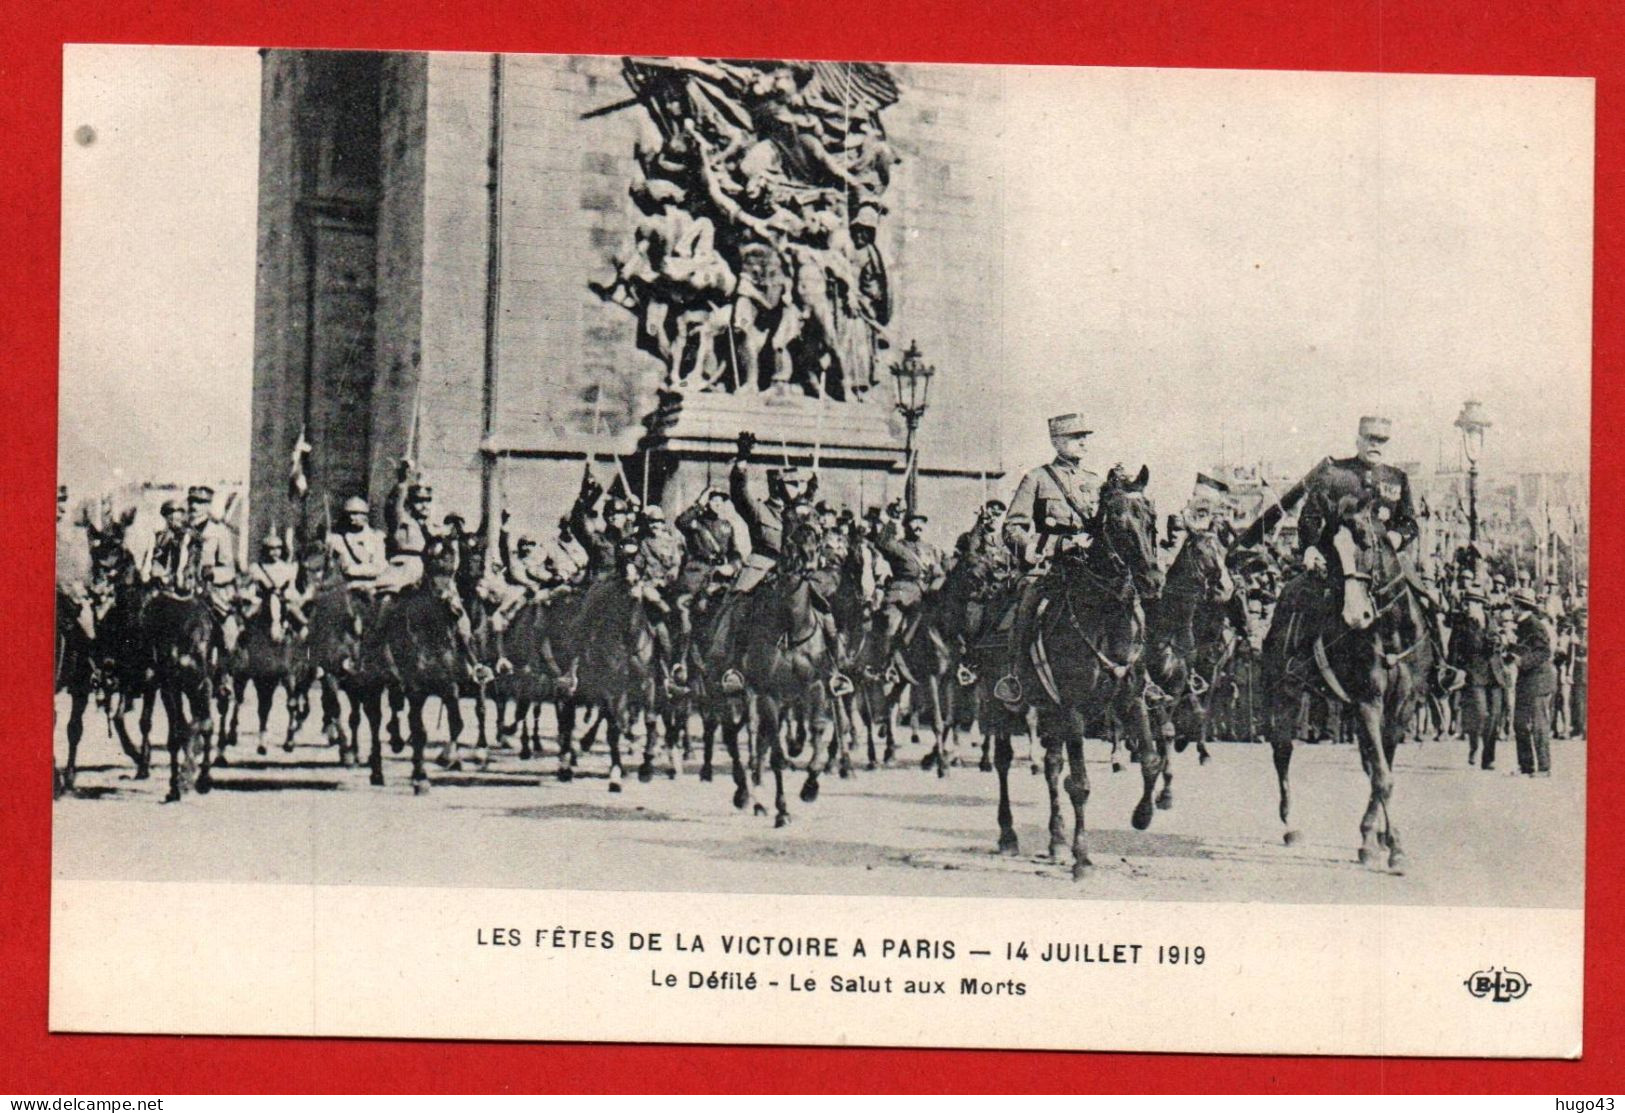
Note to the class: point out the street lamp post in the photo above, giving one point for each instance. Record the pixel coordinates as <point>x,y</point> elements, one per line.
<point>912,377</point>
<point>1472,422</point>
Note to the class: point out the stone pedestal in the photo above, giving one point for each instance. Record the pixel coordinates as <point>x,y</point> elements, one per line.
<point>855,447</point>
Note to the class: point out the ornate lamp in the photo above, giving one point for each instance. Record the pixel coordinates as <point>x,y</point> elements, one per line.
<point>1472,421</point>
<point>912,378</point>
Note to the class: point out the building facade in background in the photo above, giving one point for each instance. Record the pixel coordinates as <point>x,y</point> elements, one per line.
<point>445,242</point>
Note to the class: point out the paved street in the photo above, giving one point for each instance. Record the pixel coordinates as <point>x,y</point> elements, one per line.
<point>1474,838</point>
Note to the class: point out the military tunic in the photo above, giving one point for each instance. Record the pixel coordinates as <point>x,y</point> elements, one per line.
<point>357,557</point>
<point>764,526</point>
<point>914,566</point>
<point>1059,497</point>
<point>215,569</point>
<point>711,544</point>
<point>1333,480</point>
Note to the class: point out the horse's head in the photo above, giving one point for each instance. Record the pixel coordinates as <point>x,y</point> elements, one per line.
<point>1202,570</point>
<point>442,557</point>
<point>801,546</point>
<point>1126,531</point>
<point>110,556</point>
<point>1359,541</point>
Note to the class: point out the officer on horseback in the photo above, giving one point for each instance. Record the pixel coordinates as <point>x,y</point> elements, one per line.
<point>765,519</point>
<point>711,553</point>
<point>602,543</point>
<point>161,563</point>
<point>1364,479</point>
<point>415,542</point>
<point>275,575</point>
<point>1361,476</point>
<point>212,569</point>
<point>769,522</point>
<point>653,574</point>
<point>73,563</point>
<point>518,585</point>
<point>1059,498</point>
<point>984,534</point>
<point>355,551</point>
<point>916,567</point>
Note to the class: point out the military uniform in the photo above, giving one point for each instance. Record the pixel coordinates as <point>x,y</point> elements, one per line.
<point>276,577</point>
<point>1059,498</point>
<point>1333,480</point>
<point>517,584</point>
<point>915,567</point>
<point>161,564</point>
<point>764,524</point>
<point>711,547</point>
<point>216,566</point>
<point>601,544</point>
<point>408,546</point>
<point>357,556</point>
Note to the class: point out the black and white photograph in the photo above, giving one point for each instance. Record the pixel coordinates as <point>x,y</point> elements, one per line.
<point>1116,496</point>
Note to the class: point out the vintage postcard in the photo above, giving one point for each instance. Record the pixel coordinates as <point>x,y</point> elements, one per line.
<point>774,551</point>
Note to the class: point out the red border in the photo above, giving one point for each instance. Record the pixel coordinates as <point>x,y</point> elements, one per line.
<point>1559,37</point>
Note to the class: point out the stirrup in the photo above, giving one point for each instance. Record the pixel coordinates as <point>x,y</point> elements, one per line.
<point>840,685</point>
<point>1007,690</point>
<point>733,682</point>
<point>966,676</point>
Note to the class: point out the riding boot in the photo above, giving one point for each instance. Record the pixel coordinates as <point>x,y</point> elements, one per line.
<point>1007,689</point>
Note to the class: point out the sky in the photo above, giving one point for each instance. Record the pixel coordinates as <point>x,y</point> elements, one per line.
<point>1209,265</point>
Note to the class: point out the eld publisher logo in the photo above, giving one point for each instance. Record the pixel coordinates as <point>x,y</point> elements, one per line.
<point>1498,984</point>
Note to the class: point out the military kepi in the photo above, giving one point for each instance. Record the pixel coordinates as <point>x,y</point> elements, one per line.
<point>1067,425</point>
<point>1375,427</point>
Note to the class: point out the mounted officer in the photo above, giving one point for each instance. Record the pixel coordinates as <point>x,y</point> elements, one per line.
<point>212,567</point>
<point>416,545</point>
<point>1361,476</point>
<point>518,583</point>
<point>74,566</point>
<point>984,534</point>
<point>916,567</point>
<point>273,574</point>
<point>1060,499</point>
<point>767,522</point>
<point>603,542</point>
<point>765,519</point>
<point>161,564</point>
<point>653,574</point>
<point>1362,479</point>
<point>354,550</point>
<point>409,538</point>
<point>711,551</point>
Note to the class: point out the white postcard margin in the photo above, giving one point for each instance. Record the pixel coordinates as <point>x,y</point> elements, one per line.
<point>241,959</point>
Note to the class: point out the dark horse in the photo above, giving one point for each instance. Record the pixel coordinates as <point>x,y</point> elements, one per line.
<point>1188,633</point>
<point>1084,652</point>
<point>271,654</point>
<point>75,674</point>
<point>180,629</point>
<point>614,651</point>
<point>788,664</point>
<point>429,656</point>
<point>1359,636</point>
<point>124,660</point>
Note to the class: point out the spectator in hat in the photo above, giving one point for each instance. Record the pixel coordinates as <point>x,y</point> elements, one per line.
<point>1536,684</point>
